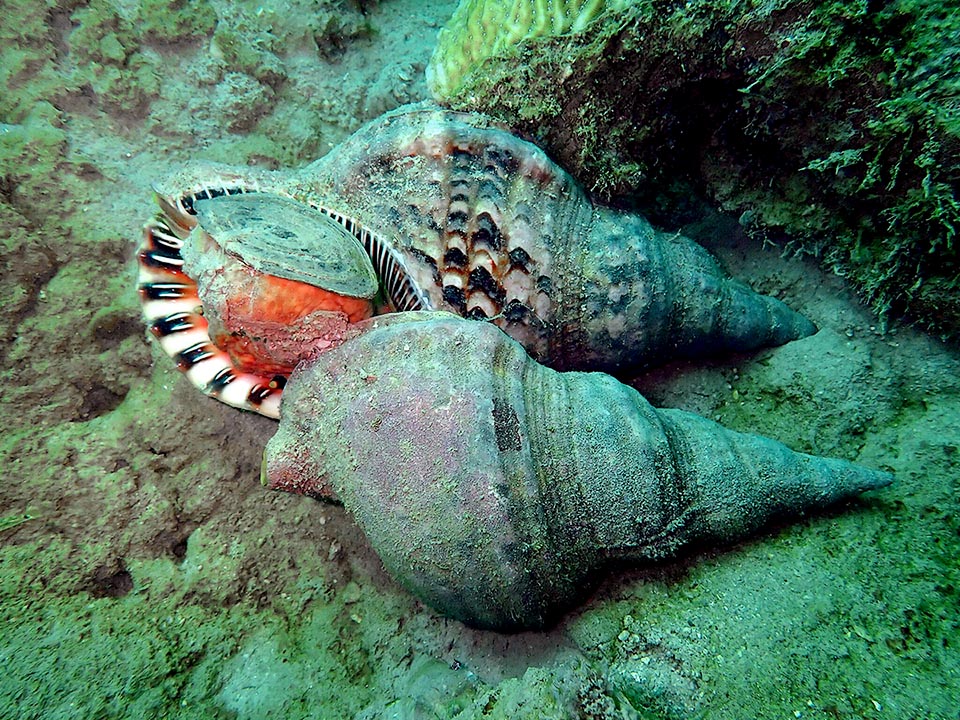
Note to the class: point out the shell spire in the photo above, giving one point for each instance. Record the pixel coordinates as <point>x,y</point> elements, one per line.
<point>633,296</point>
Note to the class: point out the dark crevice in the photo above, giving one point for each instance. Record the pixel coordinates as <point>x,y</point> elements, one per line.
<point>41,277</point>
<point>109,329</point>
<point>99,400</point>
<point>112,581</point>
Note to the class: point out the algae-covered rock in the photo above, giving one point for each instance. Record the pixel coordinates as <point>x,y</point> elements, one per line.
<point>164,21</point>
<point>34,165</point>
<point>832,124</point>
<point>106,46</point>
<point>27,66</point>
<point>243,44</point>
<point>241,101</point>
<point>258,39</point>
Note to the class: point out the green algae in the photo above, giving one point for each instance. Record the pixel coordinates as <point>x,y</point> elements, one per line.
<point>12,521</point>
<point>110,44</point>
<point>251,37</point>
<point>28,71</point>
<point>174,660</point>
<point>831,125</point>
<point>246,46</point>
<point>37,178</point>
<point>105,45</point>
<point>178,21</point>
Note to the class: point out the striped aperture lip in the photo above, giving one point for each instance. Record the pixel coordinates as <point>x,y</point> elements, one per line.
<point>172,309</point>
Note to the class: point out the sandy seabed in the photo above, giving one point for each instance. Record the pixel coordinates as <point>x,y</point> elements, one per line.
<point>144,571</point>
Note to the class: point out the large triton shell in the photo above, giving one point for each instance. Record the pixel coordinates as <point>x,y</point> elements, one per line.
<point>281,237</point>
<point>486,225</point>
<point>453,213</point>
<point>495,488</point>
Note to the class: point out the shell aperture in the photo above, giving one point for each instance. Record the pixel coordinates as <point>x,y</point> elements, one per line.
<point>240,287</point>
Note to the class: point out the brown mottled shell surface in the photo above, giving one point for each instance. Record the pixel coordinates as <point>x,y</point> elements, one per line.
<point>282,237</point>
<point>475,213</point>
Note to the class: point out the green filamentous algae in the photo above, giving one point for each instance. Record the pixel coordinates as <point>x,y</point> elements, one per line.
<point>12,521</point>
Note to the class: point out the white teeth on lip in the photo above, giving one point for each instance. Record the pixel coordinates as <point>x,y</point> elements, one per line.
<point>177,342</point>
<point>149,275</point>
<point>237,393</point>
<point>271,406</point>
<point>167,238</point>
<point>154,310</point>
<point>239,390</point>
<point>184,332</point>
<point>173,263</point>
<point>203,371</point>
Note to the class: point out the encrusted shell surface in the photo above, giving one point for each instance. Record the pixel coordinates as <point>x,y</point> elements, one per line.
<point>282,237</point>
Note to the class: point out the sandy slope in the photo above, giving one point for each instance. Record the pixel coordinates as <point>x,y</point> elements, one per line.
<point>156,576</point>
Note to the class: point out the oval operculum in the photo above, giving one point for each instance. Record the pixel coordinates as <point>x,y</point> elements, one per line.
<point>173,311</point>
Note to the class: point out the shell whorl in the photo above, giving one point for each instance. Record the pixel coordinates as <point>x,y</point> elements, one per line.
<point>475,212</point>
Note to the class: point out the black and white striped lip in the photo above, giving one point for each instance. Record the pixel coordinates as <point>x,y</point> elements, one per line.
<point>173,312</point>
